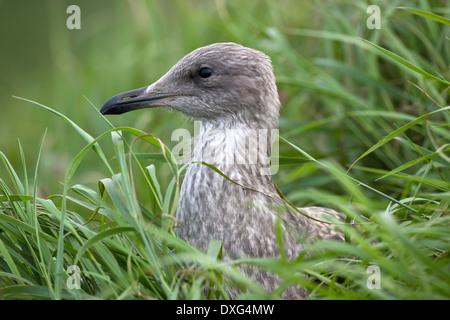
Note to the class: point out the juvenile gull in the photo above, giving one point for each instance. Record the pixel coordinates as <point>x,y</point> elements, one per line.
<point>231,90</point>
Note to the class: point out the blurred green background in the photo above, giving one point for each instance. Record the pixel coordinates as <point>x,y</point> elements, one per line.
<point>323,73</point>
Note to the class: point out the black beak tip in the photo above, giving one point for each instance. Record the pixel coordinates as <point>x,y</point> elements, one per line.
<point>110,107</point>
<point>121,103</point>
<point>104,109</point>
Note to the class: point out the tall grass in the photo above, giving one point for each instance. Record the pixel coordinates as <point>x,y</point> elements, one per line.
<point>364,129</point>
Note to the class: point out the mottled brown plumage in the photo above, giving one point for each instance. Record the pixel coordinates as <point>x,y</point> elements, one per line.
<point>231,90</point>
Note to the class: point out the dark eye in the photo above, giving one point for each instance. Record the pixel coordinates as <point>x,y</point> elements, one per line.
<point>205,72</point>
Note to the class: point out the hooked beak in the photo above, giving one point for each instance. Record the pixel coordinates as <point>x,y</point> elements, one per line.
<point>133,100</point>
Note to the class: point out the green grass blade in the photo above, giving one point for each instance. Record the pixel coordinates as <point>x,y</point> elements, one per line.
<point>34,292</point>
<point>393,134</point>
<point>338,173</point>
<point>99,236</point>
<point>427,14</point>
<point>9,260</point>
<point>155,187</point>
<point>16,198</point>
<point>406,63</point>
<point>86,136</point>
<point>414,162</point>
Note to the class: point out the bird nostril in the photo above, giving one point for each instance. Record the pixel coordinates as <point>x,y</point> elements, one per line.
<point>128,97</point>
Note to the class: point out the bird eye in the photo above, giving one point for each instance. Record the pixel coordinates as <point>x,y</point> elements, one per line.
<point>205,72</point>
